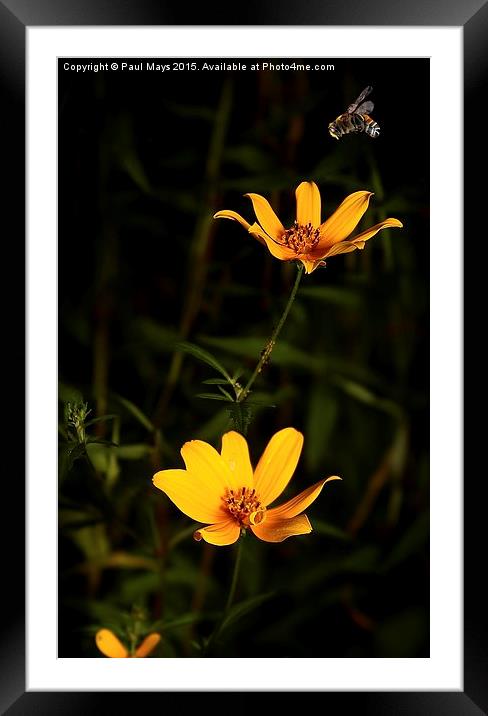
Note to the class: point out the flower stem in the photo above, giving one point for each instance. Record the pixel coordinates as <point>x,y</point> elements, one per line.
<point>235,577</point>
<point>266,354</point>
<point>230,598</point>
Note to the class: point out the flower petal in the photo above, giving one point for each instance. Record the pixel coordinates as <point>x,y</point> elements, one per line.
<point>284,253</point>
<point>365,235</point>
<point>259,234</point>
<point>147,645</point>
<point>203,460</point>
<point>278,530</point>
<point>344,247</point>
<point>192,493</point>
<point>110,645</point>
<point>344,219</point>
<point>275,248</point>
<point>220,534</point>
<point>308,203</point>
<point>277,464</point>
<point>357,242</point>
<point>225,214</point>
<point>298,504</point>
<point>266,216</point>
<point>235,452</point>
<point>310,265</point>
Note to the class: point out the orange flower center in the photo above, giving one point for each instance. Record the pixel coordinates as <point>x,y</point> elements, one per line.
<point>301,238</point>
<point>245,507</point>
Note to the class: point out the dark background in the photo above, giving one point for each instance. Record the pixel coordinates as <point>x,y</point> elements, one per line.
<point>144,161</point>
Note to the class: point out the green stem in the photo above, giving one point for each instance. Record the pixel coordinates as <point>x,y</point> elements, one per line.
<point>230,598</point>
<point>266,354</point>
<point>235,577</point>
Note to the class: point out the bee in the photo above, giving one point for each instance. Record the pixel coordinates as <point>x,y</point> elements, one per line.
<point>356,118</point>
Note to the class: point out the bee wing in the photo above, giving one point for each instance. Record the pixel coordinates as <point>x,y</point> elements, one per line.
<point>365,108</point>
<point>366,91</point>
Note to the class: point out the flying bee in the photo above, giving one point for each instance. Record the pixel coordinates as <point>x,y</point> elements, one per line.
<point>356,118</point>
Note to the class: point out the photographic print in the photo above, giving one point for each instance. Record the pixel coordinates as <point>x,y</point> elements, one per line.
<point>243,357</point>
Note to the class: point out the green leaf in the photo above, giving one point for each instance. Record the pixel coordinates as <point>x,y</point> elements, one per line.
<point>203,356</point>
<point>334,295</point>
<point>72,519</point>
<point>99,441</point>
<point>181,536</point>
<point>215,427</point>
<point>241,416</point>
<point>122,143</point>
<point>242,608</point>
<point>400,205</point>
<point>134,452</point>
<point>68,394</point>
<point>364,395</point>
<point>100,419</point>
<point>156,336</point>
<point>98,456</point>
<point>135,412</point>
<point>411,543</point>
<point>364,560</point>
<point>403,634</point>
<point>68,454</point>
<point>260,398</point>
<point>137,585</point>
<point>259,403</point>
<point>325,528</point>
<point>215,381</point>
<point>192,111</point>
<point>249,157</point>
<point>106,614</point>
<point>113,468</point>
<point>133,166</point>
<point>226,393</point>
<point>93,542</point>
<point>125,560</point>
<point>183,620</point>
<point>283,354</point>
<point>214,396</point>
<point>321,419</point>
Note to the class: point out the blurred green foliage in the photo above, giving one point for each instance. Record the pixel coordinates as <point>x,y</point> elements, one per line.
<point>164,313</point>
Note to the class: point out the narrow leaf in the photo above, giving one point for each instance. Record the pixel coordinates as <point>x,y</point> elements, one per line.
<point>325,528</point>
<point>215,381</point>
<point>100,419</point>
<point>226,393</point>
<point>134,452</point>
<point>183,620</point>
<point>97,441</point>
<point>213,396</point>
<point>136,412</point>
<point>240,610</point>
<point>204,356</point>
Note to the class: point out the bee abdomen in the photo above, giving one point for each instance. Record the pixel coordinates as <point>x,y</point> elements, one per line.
<point>354,124</point>
<point>371,127</point>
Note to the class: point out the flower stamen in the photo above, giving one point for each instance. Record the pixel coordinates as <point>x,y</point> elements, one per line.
<point>245,507</point>
<point>301,238</point>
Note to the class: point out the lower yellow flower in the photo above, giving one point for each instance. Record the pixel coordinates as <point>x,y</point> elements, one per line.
<point>222,490</point>
<point>309,240</point>
<point>110,645</point>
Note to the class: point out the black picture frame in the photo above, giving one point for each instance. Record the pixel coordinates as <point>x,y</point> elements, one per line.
<point>15,17</point>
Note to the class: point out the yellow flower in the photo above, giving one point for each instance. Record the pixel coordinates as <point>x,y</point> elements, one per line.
<point>111,646</point>
<point>308,240</point>
<point>222,491</point>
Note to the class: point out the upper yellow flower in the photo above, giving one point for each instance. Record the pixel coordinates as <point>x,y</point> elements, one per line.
<point>110,645</point>
<point>222,491</point>
<point>308,240</point>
